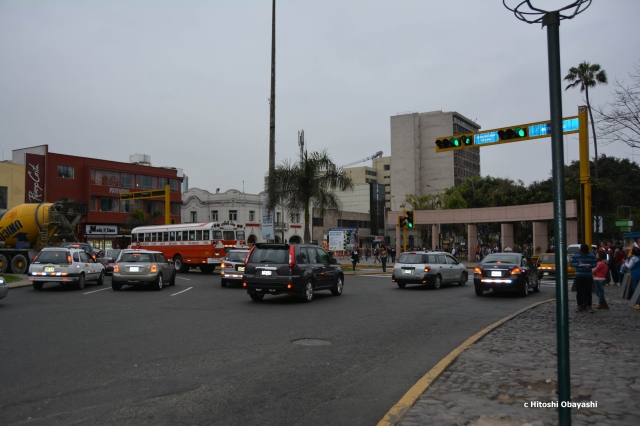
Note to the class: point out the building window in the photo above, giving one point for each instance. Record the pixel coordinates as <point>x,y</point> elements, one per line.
<point>252,215</point>
<point>105,178</point>
<point>146,182</point>
<point>370,173</point>
<point>387,166</point>
<point>65,200</point>
<point>108,204</point>
<point>4,196</point>
<point>175,208</point>
<point>65,172</point>
<point>233,214</point>
<point>194,217</point>
<point>126,180</point>
<point>295,218</point>
<point>93,203</point>
<point>318,221</point>
<point>278,217</point>
<point>126,206</point>
<point>174,185</point>
<point>214,215</point>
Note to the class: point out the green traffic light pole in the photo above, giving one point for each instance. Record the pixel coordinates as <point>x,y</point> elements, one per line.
<point>552,21</point>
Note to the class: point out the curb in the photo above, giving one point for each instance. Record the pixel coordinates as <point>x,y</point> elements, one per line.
<point>397,412</point>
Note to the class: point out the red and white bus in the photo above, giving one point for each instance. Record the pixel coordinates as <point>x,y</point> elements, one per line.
<point>191,245</point>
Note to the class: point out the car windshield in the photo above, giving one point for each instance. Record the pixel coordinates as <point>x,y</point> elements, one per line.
<point>411,258</point>
<point>112,253</point>
<point>236,256</point>
<point>53,256</point>
<point>270,255</point>
<point>547,258</point>
<point>500,258</point>
<point>136,257</point>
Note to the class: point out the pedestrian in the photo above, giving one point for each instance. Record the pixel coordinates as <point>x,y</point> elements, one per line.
<point>392,253</point>
<point>354,258</point>
<point>366,253</point>
<point>376,255</point>
<point>599,274</point>
<point>619,256</point>
<point>632,266</point>
<point>584,261</point>
<point>383,259</point>
<point>612,263</point>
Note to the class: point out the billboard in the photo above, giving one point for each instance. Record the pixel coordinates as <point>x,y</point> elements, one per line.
<point>343,239</point>
<point>267,223</point>
<point>34,178</point>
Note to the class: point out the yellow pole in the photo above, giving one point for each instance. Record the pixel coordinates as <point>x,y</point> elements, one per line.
<point>585,175</point>
<point>404,230</point>
<point>167,205</point>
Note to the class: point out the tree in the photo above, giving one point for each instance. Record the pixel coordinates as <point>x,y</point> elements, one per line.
<point>140,218</point>
<point>312,180</point>
<point>423,202</point>
<point>587,75</point>
<point>621,120</point>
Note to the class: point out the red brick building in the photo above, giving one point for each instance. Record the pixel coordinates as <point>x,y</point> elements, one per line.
<point>51,177</point>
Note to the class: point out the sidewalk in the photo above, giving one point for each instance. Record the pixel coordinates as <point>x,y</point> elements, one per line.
<point>365,267</point>
<point>509,377</point>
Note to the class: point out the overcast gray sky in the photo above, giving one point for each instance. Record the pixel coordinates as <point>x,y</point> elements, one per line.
<point>188,82</point>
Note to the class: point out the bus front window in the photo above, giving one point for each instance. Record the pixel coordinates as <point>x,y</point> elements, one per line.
<point>228,235</point>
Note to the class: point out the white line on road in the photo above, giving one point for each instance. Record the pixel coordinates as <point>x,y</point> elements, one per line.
<point>186,279</point>
<point>182,291</point>
<point>95,291</point>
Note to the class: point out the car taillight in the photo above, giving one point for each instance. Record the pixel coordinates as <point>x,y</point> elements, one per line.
<point>427,268</point>
<point>292,256</point>
<point>246,259</point>
<point>154,268</point>
<point>516,270</point>
<point>222,265</point>
<point>116,268</point>
<point>477,270</point>
<point>69,259</point>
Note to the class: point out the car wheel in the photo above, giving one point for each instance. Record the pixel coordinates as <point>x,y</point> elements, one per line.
<point>116,286</point>
<point>524,291</point>
<point>337,290</point>
<point>536,289</point>
<point>401,285</point>
<point>80,283</point>
<point>479,291</point>
<point>157,284</point>
<point>172,281</point>
<point>437,282</point>
<point>19,264</point>
<point>463,279</point>
<point>101,278</point>
<point>37,286</point>
<point>4,263</point>
<point>256,296</point>
<point>307,294</point>
<point>178,264</point>
<point>223,283</point>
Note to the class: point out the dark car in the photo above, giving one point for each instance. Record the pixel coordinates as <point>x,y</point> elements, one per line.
<point>506,272</point>
<point>294,269</point>
<point>108,259</point>
<point>83,246</point>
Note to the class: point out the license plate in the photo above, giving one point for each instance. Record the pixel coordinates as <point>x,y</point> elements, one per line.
<point>134,269</point>
<point>545,273</point>
<point>266,272</point>
<point>496,273</point>
<point>407,271</point>
<point>241,268</point>
<point>49,268</point>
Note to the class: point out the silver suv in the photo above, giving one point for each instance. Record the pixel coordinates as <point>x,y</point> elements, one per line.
<point>64,265</point>
<point>426,267</point>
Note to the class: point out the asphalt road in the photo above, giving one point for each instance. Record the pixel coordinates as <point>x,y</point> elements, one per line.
<point>198,353</point>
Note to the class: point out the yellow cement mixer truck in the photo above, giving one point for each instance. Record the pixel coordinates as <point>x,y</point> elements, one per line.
<point>26,228</point>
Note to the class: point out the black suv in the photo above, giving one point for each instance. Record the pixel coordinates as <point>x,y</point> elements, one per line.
<point>295,269</point>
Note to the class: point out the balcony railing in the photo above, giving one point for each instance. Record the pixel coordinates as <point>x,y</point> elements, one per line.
<point>280,226</point>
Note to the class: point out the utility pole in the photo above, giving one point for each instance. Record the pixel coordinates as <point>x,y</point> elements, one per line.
<point>272,99</point>
<point>301,143</point>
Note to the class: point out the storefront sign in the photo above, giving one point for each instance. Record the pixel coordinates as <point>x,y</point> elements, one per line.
<point>34,178</point>
<point>102,229</point>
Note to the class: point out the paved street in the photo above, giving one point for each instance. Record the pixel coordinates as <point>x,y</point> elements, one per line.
<point>198,353</point>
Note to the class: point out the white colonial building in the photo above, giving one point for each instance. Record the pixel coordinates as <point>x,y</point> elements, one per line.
<point>199,205</point>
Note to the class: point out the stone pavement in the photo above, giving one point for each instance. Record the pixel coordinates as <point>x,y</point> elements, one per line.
<point>506,377</point>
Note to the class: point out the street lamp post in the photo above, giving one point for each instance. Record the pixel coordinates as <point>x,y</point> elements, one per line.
<point>552,21</point>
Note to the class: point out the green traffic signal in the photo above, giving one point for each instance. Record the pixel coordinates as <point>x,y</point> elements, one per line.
<point>409,219</point>
<point>520,132</point>
<point>466,140</point>
<point>455,142</point>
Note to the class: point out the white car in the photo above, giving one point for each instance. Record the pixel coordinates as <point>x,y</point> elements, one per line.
<point>64,265</point>
<point>232,267</point>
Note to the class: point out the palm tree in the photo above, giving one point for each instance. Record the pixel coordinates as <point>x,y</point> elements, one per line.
<point>140,218</point>
<point>587,75</point>
<point>312,180</point>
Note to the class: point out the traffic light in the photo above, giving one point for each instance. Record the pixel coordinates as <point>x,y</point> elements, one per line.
<point>514,133</point>
<point>409,214</point>
<point>402,221</point>
<point>457,141</point>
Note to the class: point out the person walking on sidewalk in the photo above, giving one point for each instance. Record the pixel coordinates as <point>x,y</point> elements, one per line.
<point>584,261</point>
<point>632,266</point>
<point>376,254</point>
<point>366,253</point>
<point>383,259</point>
<point>392,254</point>
<point>355,257</point>
<point>599,275</point>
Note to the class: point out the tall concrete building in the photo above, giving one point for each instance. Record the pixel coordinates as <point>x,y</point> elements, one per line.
<point>416,167</point>
<point>379,172</point>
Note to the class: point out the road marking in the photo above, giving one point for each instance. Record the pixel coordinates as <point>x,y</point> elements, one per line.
<point>376,275</point>
<point>95,291</point>
<point>182,291</point>
<point>186,279</point>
